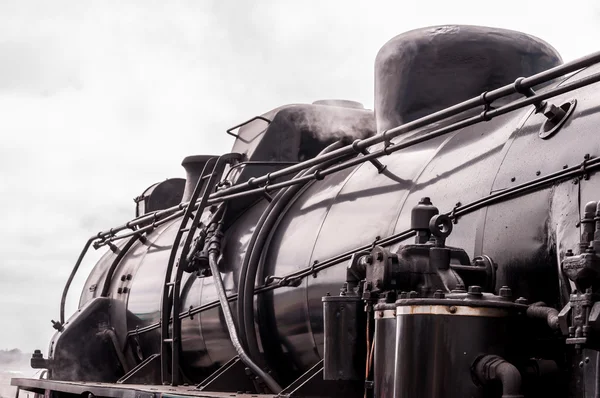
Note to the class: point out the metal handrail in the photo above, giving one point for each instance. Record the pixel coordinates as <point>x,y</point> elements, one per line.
<point>237,126</point>
<point>522,85</point>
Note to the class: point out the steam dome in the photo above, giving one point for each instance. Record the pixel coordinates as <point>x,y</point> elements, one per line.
<point>425,70</point>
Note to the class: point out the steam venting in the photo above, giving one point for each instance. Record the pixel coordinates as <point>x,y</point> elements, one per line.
<point>330,120</point>
<point>429,69</point>
<point>340,103</point>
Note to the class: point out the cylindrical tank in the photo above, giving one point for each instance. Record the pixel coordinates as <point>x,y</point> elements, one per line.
<point>439,340</point>
<point>345,351</point>
<point>385,349</point>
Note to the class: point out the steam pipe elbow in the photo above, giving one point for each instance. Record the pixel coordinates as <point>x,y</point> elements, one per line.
<point>493,367</point>
<point>540,310</point>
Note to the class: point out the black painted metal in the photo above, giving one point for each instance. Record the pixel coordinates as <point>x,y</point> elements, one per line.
<point>147,372</point>
<point>312,384</point>
<point>221,379</point>
<point>515,197</point>
<point>498,197</point>
<point>385,344</point>
<point>344,325</point>
<point>159,196</point>
<point>412,80</point>
<point>436,351</point>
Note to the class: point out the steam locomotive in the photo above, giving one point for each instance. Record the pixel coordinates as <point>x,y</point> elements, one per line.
<point>446,244</point>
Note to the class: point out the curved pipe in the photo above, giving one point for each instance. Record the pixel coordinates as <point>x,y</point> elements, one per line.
<point>493,367</point>
<point>115,263</point>
<point>251,262</point>
<point>63,299</point>
<point>212,261</point>
<point>541,311</point>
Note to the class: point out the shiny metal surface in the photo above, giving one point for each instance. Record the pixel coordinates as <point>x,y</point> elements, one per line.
<point>417,72</point>
<point>525,235</point>
<point>435,352</point>
<point>353,207</point>
<point>385,345</point>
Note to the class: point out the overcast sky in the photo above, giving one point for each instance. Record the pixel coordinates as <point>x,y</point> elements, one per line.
<point>100,99</point>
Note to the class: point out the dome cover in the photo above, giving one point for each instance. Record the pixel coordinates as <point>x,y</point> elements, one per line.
<point>425,70</point>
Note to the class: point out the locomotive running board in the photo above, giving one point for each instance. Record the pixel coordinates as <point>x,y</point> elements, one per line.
<point>108,390</point>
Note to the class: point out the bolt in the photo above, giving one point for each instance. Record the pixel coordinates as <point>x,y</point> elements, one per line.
<point>369,259</point>
<point>344,289</point>
<point>123,277</point>
<point>581,364</point>
<point>125,290</point>
<point>379,256</point>
<point>413,294</point>
<point>438,294</point>
<point>521,300</point>
<point>452,309</point>
<point>587,359</point>
<point>474,290</point>
<point>569,253</point>
<point>505,292</point>
<point>120,290</point>
<point>425,201</point>
<point>554,113</point>
<point>537,173</point>
<point>565,166</point>
<point>129,276</point>
<point>403,295</point>
<point>513,179</point>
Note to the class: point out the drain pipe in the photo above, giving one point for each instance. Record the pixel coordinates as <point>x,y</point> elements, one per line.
<point>214,248</point>
<point>493,367</point>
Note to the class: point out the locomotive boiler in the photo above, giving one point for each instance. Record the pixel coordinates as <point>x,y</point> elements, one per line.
<point>446,244</point>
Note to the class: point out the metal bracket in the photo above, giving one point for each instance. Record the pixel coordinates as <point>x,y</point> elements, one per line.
<point>147,372</point>
<point>311,384</point>
<point>230,130</point>
<point>221,379</point>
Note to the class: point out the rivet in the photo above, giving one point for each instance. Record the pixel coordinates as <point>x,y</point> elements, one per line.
<point>521,300</point>
<point>513,179</point>
<point>505,291</point>
<point>537,173</point>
